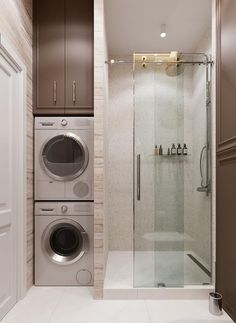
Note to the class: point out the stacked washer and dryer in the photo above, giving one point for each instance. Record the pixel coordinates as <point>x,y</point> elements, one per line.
<point>64,200</point>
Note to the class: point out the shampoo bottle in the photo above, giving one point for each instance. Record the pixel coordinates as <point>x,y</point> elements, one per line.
<point>160,150</point>
<point>179,150</point>
<point>173,150</point>
<point>185,150</point>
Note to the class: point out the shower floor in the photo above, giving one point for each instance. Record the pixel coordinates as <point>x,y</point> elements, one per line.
<point>119,271</point>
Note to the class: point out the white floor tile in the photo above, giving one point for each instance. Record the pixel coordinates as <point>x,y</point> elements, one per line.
<point>76,305</point>
<point>36,307</point>
<point>193,311</point>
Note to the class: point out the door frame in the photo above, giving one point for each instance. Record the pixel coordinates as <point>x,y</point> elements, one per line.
<point>16,63</point>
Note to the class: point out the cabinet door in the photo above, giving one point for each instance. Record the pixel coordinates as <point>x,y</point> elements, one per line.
<point>79,57</point>
<point>50,56</point>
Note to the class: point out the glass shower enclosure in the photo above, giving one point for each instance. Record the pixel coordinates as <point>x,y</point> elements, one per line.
<point>172,170</point>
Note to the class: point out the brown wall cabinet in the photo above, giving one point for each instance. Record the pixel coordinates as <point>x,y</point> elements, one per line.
<point>226,156</point>
<point>63,57</point>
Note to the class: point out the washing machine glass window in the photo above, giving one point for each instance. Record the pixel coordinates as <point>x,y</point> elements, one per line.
<point>64,241</point>
<point>64,157</point>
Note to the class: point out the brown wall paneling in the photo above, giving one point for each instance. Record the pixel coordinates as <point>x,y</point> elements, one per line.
<point>226,230</point>
<point>226,155</point>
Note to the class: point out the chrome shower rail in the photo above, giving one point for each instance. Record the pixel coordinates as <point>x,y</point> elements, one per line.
<point>206,61</point>
<point>111,62</point>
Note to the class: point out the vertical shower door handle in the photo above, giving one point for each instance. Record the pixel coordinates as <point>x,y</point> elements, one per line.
<point>138,177</point>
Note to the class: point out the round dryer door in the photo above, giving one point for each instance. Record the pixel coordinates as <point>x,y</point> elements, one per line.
<point>64,241</point>
<point>64,157</point>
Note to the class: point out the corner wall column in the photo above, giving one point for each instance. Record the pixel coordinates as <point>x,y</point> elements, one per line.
<point>100,91</point>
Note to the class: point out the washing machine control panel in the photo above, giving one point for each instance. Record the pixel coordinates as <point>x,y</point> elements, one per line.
<point>64,208</point>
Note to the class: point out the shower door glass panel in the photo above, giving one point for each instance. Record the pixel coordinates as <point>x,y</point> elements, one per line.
<point>197,173</point>
<point>159,180</point>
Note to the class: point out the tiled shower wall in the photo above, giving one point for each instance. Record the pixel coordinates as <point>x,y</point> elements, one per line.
<point>119,150</point>
<point>16,27</point>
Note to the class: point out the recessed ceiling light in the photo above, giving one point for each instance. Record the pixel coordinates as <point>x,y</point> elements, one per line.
<point>163,31</point>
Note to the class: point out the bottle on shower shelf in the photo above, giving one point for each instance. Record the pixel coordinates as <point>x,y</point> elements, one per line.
<point>179,150</point>
<point>156,151</point>
<point>173,150</point>
<point>160,150</point>
<point>185,150</point>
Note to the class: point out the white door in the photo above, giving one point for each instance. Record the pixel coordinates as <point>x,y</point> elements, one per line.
<point>9,96</point>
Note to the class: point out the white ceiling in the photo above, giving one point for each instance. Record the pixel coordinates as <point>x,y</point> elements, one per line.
<point>134,25</point>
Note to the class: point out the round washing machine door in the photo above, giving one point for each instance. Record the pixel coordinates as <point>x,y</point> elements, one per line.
<point>64,241</point>
<point>64,157</point>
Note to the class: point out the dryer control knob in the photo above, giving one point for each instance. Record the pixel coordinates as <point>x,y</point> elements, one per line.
<point>64,122</point>
<point>64,208</point>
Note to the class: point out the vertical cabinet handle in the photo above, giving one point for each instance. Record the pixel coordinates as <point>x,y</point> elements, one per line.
<point>138,177</point>
<point>55,92</point>
<point>74,91</point>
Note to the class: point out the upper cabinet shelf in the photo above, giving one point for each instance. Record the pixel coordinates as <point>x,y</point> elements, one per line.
<point>63,57</point>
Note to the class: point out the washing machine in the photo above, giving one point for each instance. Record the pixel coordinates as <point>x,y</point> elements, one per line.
<point>64,244</point>
<point>64,150</point>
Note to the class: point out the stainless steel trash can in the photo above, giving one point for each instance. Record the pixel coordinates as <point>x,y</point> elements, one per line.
<point>215,303</point>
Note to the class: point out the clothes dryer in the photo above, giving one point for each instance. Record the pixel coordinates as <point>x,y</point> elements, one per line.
<point>64,158</point>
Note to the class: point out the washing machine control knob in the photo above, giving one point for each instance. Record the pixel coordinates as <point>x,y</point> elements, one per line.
<point>64,208</point>
<point>64,122</point>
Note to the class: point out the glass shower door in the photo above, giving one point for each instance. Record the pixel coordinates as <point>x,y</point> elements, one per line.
<point>159,175</point>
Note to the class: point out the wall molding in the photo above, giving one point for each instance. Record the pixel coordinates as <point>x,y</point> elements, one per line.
<point>8,55</point>
<point>226,144</point>
<point>226,149</point>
